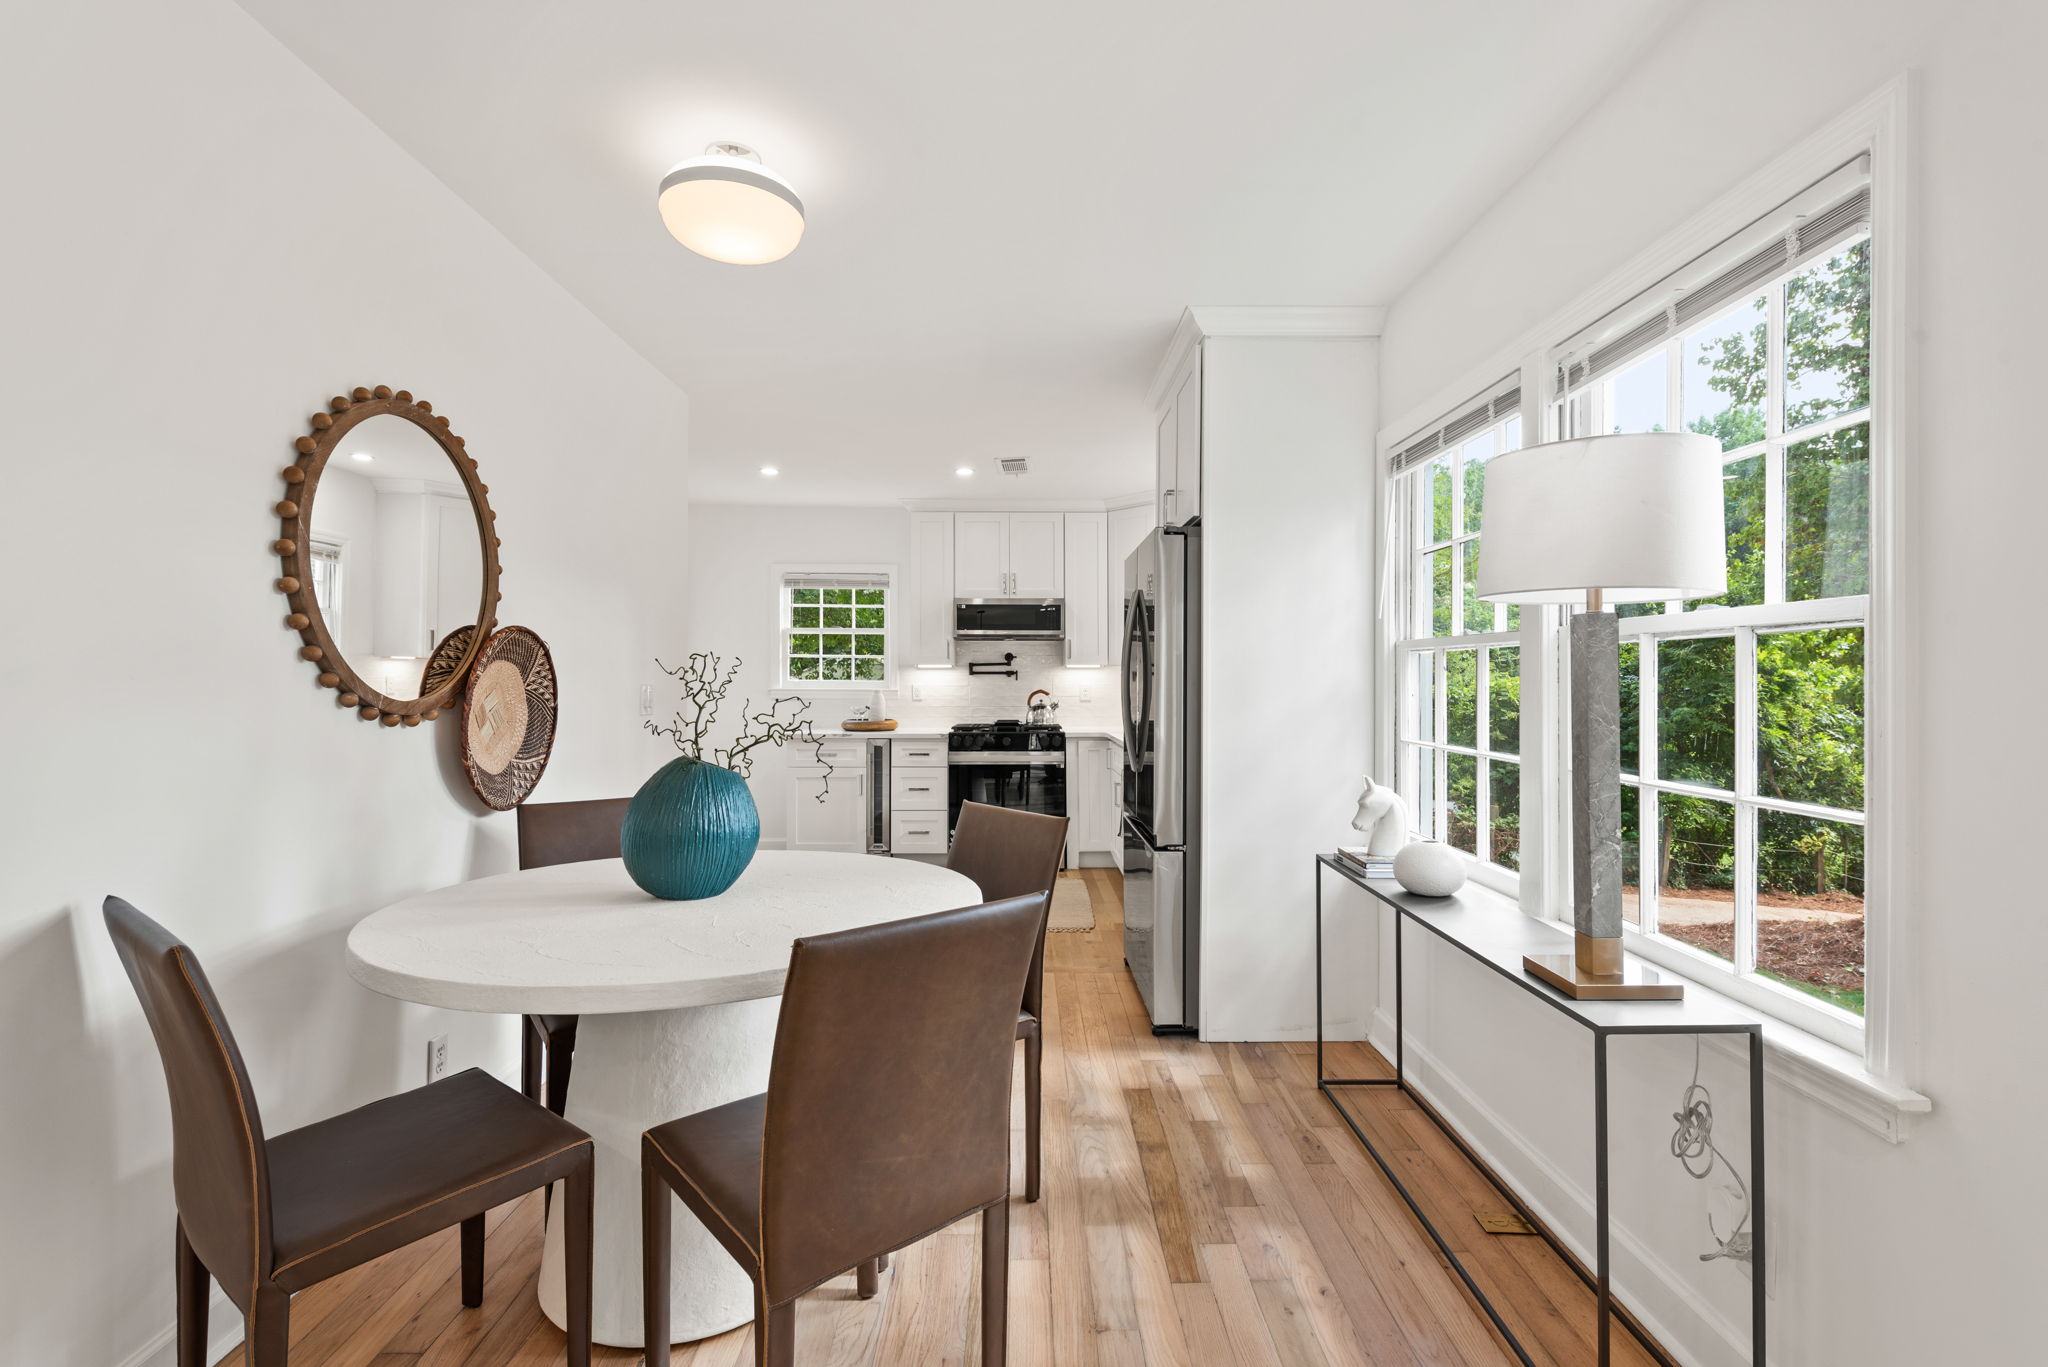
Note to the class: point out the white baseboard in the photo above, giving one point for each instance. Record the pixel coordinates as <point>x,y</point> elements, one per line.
<point>1547,1190</point>
<point>222,1317</point>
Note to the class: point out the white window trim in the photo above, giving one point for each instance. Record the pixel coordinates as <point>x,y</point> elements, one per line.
<point>1872,1088</point>
<point>777,574</point>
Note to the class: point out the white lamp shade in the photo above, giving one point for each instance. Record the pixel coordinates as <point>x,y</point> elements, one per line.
<point>731,210</point>
<point>1639,516</point>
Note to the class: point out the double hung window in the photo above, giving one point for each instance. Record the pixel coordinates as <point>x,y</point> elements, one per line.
<point>1743,737</point>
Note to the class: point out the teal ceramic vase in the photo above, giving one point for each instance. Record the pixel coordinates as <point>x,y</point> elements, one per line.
<point>690,831</point>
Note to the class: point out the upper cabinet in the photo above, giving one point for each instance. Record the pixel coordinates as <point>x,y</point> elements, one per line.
<point>1087,572</point>
<point>1009,555</point>
<point>1178,445</point>
<point>929,607</point>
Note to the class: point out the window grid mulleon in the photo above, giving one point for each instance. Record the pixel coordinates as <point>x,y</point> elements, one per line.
<point>1458,659</point>
<point>1744,776</point>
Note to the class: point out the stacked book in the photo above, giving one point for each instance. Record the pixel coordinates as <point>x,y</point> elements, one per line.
<point>1371,865</point>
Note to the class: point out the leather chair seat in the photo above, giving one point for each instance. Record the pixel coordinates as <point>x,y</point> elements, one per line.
<point>378,1178</point>
<point>717,1153</point>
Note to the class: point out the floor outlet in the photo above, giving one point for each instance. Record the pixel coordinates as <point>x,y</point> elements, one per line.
<point>437,1058</point>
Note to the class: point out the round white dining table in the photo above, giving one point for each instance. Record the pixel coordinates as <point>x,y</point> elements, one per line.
<point>678,1003</point>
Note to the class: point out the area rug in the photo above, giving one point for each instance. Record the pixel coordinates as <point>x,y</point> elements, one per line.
<point>1072,906</point>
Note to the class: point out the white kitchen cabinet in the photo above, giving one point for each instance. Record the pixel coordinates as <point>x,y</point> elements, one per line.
<point>981,555</point>
<point>1178,446</point>
<point>1094,803</point>
<point>1008,555</point>
<point>1037,555</point>
<point>927,607</point>
<point>1087,573</point>
<point>838,822</point>
<point>428,571</point>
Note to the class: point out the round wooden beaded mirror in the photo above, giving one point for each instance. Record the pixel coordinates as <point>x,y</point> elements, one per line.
<point>389,553</point>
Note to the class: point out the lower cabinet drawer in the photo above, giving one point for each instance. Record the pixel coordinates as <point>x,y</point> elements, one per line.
<point>918,790</point>
<point>918,832</point>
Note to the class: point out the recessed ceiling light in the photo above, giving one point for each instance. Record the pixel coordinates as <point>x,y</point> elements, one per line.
<point>729,207</point>
<point>770,471</point>
<point>965,472</point>
<point>361,455</point>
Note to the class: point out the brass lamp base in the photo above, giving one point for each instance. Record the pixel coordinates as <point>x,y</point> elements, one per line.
<point>1634,981</point>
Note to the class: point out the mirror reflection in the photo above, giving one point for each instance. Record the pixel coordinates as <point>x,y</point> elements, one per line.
<point>395,557</point>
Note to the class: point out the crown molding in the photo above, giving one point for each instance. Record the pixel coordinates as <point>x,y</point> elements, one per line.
<point>1261,320</point>
<point>1023,505</point>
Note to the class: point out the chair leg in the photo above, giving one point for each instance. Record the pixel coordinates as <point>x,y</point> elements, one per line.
<point>267,1329</point>
<point>193,1289</point>
<point>775,1336</point>
<point>529,1059</point>
<point>579,1194</point>
<point>865,1280</point>
<point>473,1261</point>
<point>1034,1067</point>
<point>995,1282</point>
<point>655,1201</point>
<point>559,1059</point>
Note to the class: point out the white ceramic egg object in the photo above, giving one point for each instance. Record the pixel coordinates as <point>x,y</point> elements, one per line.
<point>1429,868</point>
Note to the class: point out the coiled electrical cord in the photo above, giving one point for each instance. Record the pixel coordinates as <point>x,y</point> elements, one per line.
<point>1692,1144</point>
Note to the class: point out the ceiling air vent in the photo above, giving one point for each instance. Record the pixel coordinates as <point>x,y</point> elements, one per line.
<point>1016,465</point>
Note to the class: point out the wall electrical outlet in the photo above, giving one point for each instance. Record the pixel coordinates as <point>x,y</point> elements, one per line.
<point>437,1058</point>
<point>646,700</point>
<point>1087,693</point>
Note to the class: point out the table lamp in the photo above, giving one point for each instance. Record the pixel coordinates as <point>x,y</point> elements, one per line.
<point>1594,521</point>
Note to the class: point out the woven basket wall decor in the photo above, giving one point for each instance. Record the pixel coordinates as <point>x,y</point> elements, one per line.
<point>508,717</point>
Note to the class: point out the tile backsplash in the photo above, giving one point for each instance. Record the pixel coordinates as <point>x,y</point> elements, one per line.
<point>942,697</point>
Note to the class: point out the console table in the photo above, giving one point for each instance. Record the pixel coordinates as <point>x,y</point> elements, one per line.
<point>1492,931</point>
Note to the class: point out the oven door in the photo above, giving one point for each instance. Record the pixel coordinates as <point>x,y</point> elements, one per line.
<point>1029,785</point>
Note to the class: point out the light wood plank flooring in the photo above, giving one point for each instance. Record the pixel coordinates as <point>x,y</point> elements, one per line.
<point>1203,1206</point>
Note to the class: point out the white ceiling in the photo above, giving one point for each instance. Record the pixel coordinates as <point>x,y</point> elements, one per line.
<point>1008,204</point>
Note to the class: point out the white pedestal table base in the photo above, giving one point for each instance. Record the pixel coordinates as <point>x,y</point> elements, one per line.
<point>634,1071</point>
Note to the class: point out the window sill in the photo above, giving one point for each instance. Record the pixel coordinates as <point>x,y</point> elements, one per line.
<point>1834,1077</point>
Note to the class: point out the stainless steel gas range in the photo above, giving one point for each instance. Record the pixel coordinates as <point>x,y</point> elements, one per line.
<point>1007,764</point>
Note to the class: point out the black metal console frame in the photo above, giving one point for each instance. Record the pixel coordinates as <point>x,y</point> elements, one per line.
<point>1604,1020</point>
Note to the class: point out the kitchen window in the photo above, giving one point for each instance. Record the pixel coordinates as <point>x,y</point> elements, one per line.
<point>834,627</point>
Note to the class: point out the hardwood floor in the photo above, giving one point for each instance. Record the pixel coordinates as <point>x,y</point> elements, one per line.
<point>1203,1205</point>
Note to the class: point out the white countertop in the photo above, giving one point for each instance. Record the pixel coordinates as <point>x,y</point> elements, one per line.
<point>940,733</point>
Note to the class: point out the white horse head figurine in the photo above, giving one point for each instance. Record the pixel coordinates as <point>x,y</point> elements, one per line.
<point>1383,816</point>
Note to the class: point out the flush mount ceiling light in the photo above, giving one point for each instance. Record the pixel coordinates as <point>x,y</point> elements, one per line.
<point>729,207</point>
<point>770,471</point>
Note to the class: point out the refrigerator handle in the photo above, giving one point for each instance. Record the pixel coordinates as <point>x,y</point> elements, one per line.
<point>1137,650</point>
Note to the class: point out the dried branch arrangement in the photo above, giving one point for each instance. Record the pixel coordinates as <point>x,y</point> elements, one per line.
<point>706,682</point>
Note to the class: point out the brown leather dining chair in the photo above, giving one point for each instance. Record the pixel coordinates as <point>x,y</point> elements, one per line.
<point>886,1119</point>
<point>560,833</point>
<point>1010,853</point>
<point>267,1216</point>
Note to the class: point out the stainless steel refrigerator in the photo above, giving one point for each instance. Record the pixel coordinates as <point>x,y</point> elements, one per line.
<point>1162,769</point>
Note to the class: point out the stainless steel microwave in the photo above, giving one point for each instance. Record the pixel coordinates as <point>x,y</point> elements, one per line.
<point>1008,619</point>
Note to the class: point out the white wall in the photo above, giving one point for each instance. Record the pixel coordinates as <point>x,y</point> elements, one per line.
<point>734,549</point>
<point>204,243</point>
<point>1922,1252</point>
<point>1287,545</point>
